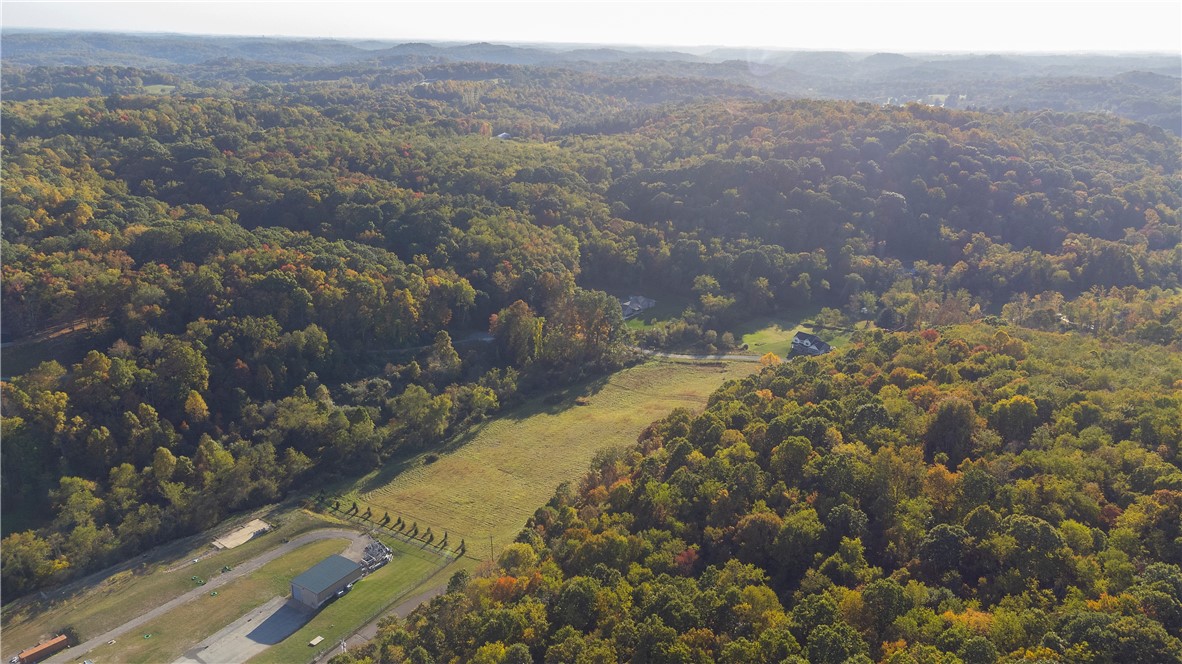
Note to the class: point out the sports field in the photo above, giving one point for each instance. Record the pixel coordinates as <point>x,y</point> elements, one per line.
<point>498,475</point>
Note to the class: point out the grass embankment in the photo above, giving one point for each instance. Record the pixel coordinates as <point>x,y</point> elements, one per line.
<point>109,602</point>
<point>184,627</point>
<point>496,476</point>
<point>411,566</point>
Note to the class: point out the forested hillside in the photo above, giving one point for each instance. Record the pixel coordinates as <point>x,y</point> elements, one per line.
<point>973,494</point>
<point>296,273</point>
<point>1139,86</point>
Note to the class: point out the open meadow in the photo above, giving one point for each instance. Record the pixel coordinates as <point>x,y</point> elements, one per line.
<point>496,476</point>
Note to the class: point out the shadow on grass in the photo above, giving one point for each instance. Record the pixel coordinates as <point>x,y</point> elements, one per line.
<point>559,400</point>
<point>413,546</point>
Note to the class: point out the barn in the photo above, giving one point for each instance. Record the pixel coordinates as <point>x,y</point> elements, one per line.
<point>322,581</point>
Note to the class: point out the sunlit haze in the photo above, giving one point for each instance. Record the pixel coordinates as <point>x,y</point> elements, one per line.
<point>947,26</point>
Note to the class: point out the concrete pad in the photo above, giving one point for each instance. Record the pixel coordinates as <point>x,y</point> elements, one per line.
<point>251,634</point>
<point>242,535</point>
<point>357,548</point>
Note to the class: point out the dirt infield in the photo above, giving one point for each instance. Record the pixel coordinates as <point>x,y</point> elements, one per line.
<point>242,535</point>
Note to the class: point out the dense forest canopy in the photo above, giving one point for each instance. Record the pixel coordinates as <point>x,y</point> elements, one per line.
<point>287,270</point>
<point>964,495</point>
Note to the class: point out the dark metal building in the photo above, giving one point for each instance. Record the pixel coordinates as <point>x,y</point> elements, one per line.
<point>317,585</point>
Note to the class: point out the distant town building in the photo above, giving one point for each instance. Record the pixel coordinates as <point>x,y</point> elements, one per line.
<point>808,344</point>
<point>323,580</point>
<point>636,304</point>
<point>504,136</point>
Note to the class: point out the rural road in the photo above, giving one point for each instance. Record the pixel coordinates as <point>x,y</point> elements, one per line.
<point>77,652</point>
<point>402,610</point>
<point>715,358</point>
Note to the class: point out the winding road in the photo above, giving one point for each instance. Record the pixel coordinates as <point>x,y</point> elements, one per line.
<point>77,652</point>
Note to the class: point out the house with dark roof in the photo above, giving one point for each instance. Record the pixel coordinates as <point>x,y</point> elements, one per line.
<point>808,344</point>
<point>636,304</point>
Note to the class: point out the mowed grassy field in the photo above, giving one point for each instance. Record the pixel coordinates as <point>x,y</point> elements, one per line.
<point>411,566</point>
<point>774,335</point>
<point>105,603</point>
<point>496,476</point>
<point>185,626</point>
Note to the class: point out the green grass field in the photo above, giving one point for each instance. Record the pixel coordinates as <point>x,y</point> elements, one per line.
<point>770,336</point>
<point>499,474</point>
<point>774,335</point>
<point>187,625</point>
<point>111,601</point>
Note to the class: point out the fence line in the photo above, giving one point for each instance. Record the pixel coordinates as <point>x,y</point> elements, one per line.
<point>454,553</point>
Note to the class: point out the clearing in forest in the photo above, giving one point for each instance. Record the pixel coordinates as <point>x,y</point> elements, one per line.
<point>500,473</point>
<point>774,335</point>
<point>103,601</point>
<point>167,637</point>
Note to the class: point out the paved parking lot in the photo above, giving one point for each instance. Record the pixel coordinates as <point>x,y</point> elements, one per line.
<point>249,635</point>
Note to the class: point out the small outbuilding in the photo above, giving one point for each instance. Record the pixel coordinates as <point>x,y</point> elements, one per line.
<point>320,583</point>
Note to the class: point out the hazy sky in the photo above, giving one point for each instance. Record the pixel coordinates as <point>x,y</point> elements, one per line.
<point>945,25</point>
